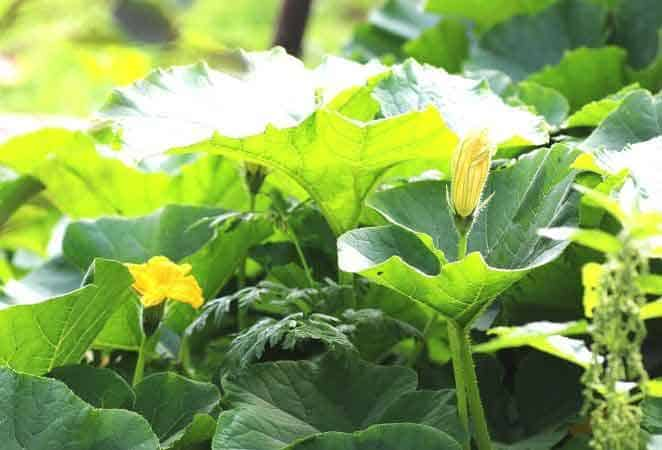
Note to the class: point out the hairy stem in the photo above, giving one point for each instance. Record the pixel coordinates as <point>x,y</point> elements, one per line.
<point>466,372</point>
<point>460,387</point>
<point>462,246</point>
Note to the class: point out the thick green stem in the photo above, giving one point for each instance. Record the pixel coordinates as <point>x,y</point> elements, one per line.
<point>462,357</point>
<point>462,246</point>
<point>139,370</point>
<point>460,387</point>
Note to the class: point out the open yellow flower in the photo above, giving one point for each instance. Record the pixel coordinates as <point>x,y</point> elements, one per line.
<point>160,279</point>
<point>470,167</point>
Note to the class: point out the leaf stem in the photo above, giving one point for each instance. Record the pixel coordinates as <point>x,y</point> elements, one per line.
<point>302,257</point>
<point>466,372</point>
<point>139,370</point>
<point>241,274</point>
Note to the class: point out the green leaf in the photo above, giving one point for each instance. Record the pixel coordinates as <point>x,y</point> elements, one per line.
<point>444,45</point>
<point>195,102</point>
<point>43,414</point>
<point>545,101</point>
<point>465,105</point>
<point>541,410</point>
<point>14,191</point>
<point>402,18</point>
<point>215,263</point>
<point>101,388</point>
<point>54,277</point>
<point>82,182</point>
<point>286,333</point>
<point>411,256</point>
<point>170,402</point>
<point>374,333</point>
<point>123,330</point>
<point>637,119</point>
<point>650,77</point>
<point>525,44</point>
<point>30,227</point>
<point>547,337</point>
<point>275,404</point>
<point>384,437</point>
<point>197,435</point>
<point>487,14</point>
<point>37,338</point>
<point>592,114</point>
<point>174,231</point>
<point>595,239</point>
<point>636,27</point>
<point>585,75</point>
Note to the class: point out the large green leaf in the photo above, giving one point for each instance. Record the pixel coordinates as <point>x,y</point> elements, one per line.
<point>14,191</point>
<point>525,44</point>
<point>585,74</point>
<point>464,105</point>
<point>101,388</point>
<point>275,404</point>
<point>637,119</point>
<point>43,414</point>
<point>82,182</point>
<point>637,23</point>
<point>487,14</point>
<point>412,256</point>
<point>337,160</point>
<point>37,338</point>
<point>174,231</point>
<point>384,437</point>
<point>30,227</point>
<point>53,278</point>
<point>170,402</point>
<point>592,114</point>
<point>642,160</point>
<point>194,102</point>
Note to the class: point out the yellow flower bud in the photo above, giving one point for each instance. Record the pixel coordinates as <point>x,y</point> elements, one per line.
<point>160,279</point>
<point>470,167</point>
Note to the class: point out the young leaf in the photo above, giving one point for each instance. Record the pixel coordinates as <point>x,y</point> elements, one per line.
<point>286,333</point>
<point>412,255</point>
<point>43,414</point>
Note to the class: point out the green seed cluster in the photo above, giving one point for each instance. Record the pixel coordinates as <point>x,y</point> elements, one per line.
<point>617,333</point>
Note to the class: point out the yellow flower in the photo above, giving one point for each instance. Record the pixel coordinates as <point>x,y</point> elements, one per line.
<point>470,167</point>
<point>160,279</point>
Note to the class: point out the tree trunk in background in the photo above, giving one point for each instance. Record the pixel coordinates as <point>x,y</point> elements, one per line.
<point>292,25</point>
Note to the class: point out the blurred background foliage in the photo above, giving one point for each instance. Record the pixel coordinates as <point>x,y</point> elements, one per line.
<point>64,56</point>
